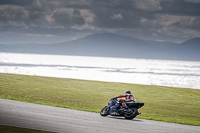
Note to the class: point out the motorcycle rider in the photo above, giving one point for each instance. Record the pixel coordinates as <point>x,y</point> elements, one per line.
<point>114,104</point>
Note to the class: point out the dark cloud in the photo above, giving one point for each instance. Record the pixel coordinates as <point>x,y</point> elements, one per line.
<point>16,2</point>
<point>154,19</point>
<point>181,7</point>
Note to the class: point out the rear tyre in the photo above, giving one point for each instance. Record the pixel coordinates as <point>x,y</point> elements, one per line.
<point>105,111</point>
<point>131,114</point>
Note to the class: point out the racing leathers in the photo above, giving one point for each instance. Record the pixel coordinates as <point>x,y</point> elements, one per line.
<point>114,104</point>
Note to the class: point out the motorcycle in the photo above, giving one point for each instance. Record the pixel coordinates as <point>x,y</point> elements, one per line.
<point>127,109</point>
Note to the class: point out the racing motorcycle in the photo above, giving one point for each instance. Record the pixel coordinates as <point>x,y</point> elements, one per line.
<point>127,109</point>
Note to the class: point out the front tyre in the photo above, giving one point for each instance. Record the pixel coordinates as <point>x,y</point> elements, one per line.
<point>105,111</point>
<point>131,113</point>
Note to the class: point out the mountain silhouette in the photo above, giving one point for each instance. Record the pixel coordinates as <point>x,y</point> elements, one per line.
<point>113,45</point>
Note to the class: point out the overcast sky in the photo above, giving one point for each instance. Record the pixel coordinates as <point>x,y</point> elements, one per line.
<point>49,21</point>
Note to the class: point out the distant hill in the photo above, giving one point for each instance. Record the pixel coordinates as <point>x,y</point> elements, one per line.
<point>194,41</point>
<point>192,44</point>
<point>112,45</point>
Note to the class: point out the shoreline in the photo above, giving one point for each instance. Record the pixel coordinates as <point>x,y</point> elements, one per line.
<point>100,80</point>
<point>134,71</point>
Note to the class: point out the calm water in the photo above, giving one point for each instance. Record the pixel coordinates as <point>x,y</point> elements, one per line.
<point>138,71</point>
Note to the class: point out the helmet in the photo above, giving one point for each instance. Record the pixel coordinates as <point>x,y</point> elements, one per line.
<point>128,92</point>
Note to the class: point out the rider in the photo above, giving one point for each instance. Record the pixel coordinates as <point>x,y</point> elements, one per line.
<point>114,104</point>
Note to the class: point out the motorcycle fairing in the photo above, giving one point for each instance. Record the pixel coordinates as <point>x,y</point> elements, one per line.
<point>136,105</point>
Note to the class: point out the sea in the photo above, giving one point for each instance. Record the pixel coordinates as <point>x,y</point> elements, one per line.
<point>184,74</point>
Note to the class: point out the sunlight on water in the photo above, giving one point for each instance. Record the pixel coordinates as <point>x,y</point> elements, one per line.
<point>138,71</point>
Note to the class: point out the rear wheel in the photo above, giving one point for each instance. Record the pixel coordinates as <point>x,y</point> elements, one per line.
<point>105,111</point>
<point>131,113</point>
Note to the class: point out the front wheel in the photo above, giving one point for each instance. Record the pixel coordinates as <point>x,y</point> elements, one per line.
<point>131,113</point>
<point>105,111</point>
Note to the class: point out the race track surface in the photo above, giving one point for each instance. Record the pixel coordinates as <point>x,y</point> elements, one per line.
<point>47,118</point>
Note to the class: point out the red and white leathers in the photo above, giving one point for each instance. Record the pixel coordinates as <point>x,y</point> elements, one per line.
<point>128,97</point>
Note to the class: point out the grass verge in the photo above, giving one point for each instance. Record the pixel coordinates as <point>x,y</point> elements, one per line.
<point>169,104</point>
<point>9,129</point>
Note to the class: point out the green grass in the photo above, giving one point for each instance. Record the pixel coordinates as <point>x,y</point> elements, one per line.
<point>170,104</point>
<point>9,129</point>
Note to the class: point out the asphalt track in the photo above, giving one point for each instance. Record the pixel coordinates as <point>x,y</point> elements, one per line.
<point>54,119</point>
